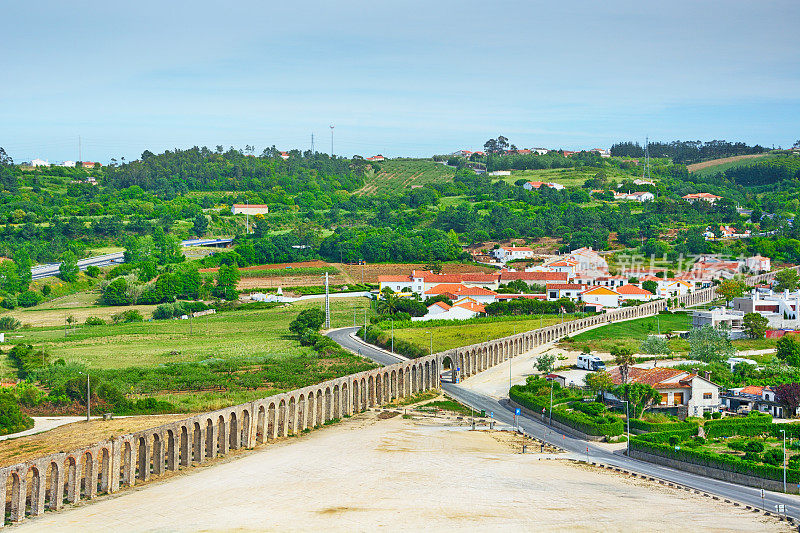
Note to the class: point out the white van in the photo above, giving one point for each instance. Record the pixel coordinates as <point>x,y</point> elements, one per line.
<point>591,362</point>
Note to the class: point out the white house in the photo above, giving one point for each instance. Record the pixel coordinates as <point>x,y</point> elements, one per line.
<point>463,309</point>
<point>639,196</point>
<point>632,292</point>
<point>500,173</point>
<point>39,163</point>
<point>249,209</point>
<point>677,388</point>
<point>67,164</point>
<point>781,309</point>
<point>675,287</point>
<point>758,263</point>
<point>600,296</point>
<point>702,197</point>
<point>531,185</point>
<point>564,290</point>
<point>456,291</point>
<point>509,253</point>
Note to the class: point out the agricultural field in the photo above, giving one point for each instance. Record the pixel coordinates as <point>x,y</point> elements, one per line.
<point>569,177</point>
<point>399,175</point>
<point>450,336</point>
<point>709,168</point>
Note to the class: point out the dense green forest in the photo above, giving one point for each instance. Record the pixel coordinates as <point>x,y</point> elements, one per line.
<point>686,152</point>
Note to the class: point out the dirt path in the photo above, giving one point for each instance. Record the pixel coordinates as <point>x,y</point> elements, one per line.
<point>714,162</point>
<point>400,475</point>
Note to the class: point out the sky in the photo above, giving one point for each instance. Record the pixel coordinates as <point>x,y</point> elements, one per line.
<point>400,78</point>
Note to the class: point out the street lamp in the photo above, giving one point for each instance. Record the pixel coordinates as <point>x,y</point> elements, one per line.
<point>88,395</point>
<point>784,459</point>
<point>628,422</point>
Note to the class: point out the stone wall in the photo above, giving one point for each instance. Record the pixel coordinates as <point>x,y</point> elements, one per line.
<point>124,461</point>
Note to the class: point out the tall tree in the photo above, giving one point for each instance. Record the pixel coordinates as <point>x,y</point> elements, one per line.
<point>623,357</point>
<point>755,325</point>
<point>789,395</point>
<point>730,289</point>
<point>787,280</point>
<point>68,269</point>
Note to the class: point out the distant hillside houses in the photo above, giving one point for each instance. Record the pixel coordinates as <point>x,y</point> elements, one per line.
<point>249,209</point>
<point>510,253</point>
<point>639,196</point>
<point>702,197</point>
<point>535,185</point>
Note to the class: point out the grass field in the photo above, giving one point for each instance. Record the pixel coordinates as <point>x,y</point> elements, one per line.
<point>569,177</point>
<point>630,333</point>
<point>398,175</point>
<point>453,336</point>
<point>710,168</point>
<point>257,333</point>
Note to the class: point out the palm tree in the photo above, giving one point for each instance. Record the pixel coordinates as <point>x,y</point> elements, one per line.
<point>623,357</point>
<point>387,304</point>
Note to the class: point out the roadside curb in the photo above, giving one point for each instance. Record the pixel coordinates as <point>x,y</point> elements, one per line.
<point>790,520</point>
<point>387,352</point>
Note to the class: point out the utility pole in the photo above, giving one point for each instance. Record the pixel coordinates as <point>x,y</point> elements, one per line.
<point>312,145</point>
<point>327,304</point>
<point>79,148</point>
<point>332,126</point>
<point>88,395</point>
<point>365,324</point>
<point>393,335</point>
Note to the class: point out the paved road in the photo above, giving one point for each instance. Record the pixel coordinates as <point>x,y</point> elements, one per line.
<point>51,269</point>
<point>503,413</point>
<point>342,337</point>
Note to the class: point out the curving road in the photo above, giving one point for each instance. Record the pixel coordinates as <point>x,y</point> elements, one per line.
<point>504,413</point>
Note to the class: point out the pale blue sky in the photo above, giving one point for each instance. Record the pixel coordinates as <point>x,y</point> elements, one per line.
<point>399,78</point>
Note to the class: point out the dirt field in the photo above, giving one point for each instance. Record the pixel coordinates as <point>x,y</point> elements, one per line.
<point>715,162</point>
<point>372,271</point>
<point>73,436</point>
<point>397,474</point>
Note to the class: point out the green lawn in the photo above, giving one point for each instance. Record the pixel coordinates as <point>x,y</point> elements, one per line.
<point>255,333</point>
<point>631,333</point>
<point>452,336</point>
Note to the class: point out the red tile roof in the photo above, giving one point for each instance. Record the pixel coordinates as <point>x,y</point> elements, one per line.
<point>387,278</point>
<point>458,289</point>
<point>251,205</point>
<point>440,304</point>
<point>632,289</point>
<point>472,306</point>
<point>533,276</point>
<point>656,377</point>
<point>752,389</point>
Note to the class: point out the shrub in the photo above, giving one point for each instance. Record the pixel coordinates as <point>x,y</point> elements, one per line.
<point>752,456</point>
<point>26,358</point>
<point>94,321</point>
<point>754,446</point>
<point>9,323</point>
<point>707,415</point>
<point>92,271</point>
<point>9,302</point>
<point>11,418</point>
<point>28,299</point>
<point>590,408</point>
<point>716,415</point>
<point>674,440</point>
<point>125,317</point>
<point>46,290</point>
<point>773,457</point>
<point>737,445</point>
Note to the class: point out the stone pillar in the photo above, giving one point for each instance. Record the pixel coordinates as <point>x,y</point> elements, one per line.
<point>114,465</point>
<point>91,478</point>
<point>199,441</point>
<point>38,492</point>
<point>18,495</point>
<point>74,484</point>
<point>211,440</point>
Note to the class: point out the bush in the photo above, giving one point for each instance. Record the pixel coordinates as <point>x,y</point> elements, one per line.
<point>307,319</point>
<point>707,415</point>
<point>752,456</point>
<point>125,317</point>
<point>754,446</point>
<point>92,271</point>
<point>590,408</point>
<point>28,299</point>
<point>674,440</point>
<point>94,321</point>
<point>9,302</point>
<point>46,290</point>
<point>26,358</point>
<point>754,424</point>
<point>9,323</point>
<point>655,427</point>
<point>773,457</point>
<point>11,418</point>
<point>716,415</point>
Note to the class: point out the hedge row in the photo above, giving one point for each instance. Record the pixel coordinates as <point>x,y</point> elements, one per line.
<point>728,463</point>
<point>658,427</point>
<point>574,419</point>
<point>664,436</point>
<point>749,425</point>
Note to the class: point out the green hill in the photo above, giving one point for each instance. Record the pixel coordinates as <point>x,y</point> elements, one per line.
<point>398,175</point>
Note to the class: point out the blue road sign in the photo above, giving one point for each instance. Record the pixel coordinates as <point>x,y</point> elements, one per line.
<point>491,414</point>
<point>458,369</point>
<point>518,411</point>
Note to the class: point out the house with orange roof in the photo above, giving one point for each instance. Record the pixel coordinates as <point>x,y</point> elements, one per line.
<point>462,309</point>
<point>763,399</point>
<point>599,296</point>
<point>631,292</point>
<point>456,291</point>
<point>702,197</point>
<point>691,393</point>
<point>556,291</point>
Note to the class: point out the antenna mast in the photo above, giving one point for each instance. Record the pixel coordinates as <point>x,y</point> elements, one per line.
<point>646,167</point>
<point>332,126</point>
<point>312,145</point>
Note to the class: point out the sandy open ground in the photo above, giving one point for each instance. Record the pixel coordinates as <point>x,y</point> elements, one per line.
<point>397,474</point>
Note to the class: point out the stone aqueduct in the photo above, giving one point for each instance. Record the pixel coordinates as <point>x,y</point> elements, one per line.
<point>107,467</point>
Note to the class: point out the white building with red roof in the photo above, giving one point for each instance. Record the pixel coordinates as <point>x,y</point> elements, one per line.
<point>702,197</point>
<point>535,185</point>
<point>600,297</point>
<point>564,290</point>
<point>249,209</point>
<point>676,387</point>
<point>510,253</point>
<point>376,158</point>
<point>631,292</point>
<point>456,291</point>
<point>462,309</point>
